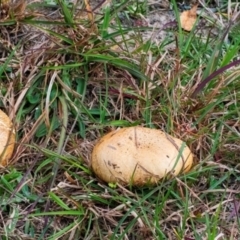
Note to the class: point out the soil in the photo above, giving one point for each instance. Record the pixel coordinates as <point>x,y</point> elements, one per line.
<point>159,16</point>
<point>159,19</point>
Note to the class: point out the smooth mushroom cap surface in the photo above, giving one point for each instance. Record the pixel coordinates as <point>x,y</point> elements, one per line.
<point>7,139</point>
<point>139,155</point>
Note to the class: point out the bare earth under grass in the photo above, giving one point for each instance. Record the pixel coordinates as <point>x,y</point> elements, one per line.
<point>68,77</point>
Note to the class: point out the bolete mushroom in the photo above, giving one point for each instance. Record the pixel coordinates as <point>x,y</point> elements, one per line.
<point>139,156</point>
<point>7,139</point>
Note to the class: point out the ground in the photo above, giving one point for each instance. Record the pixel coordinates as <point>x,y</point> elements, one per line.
<point>69,76</point>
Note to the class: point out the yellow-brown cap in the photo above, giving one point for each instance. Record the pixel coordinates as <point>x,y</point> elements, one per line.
<point>7,139</point>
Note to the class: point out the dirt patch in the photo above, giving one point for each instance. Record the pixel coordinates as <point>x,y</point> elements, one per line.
<point>159,17</point>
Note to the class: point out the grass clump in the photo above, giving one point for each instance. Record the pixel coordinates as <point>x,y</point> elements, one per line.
<point>69,75</point>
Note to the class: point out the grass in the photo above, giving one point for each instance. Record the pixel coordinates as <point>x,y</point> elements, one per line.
<point>66,81</point>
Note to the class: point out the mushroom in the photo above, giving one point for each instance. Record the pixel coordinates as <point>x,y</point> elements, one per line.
<point>139,156</point>
<point>7,139</point>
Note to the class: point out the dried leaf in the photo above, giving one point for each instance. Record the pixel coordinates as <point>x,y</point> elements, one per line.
<point>188,18</point>
<point>8,9</point>
<point>89,10</point>
<point>90,15</point>
<point>4,9</point>
<point>19,8</point>
<point>4,2</point>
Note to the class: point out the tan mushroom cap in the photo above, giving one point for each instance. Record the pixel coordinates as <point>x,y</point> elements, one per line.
<point>138,156</point>
<point>7,139</point>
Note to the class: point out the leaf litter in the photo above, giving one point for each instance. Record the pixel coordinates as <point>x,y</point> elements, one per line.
<point>41,48</point>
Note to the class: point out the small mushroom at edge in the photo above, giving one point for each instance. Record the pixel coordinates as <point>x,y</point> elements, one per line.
<point>7,139</point>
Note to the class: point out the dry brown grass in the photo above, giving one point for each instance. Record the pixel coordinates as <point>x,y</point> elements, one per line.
<point>65,86</point>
